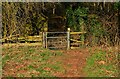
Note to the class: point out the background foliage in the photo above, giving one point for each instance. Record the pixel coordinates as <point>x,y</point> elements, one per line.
<point>98,19</point>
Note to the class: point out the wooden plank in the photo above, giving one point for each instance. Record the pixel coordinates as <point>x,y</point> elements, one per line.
<point>22,44</point>
<point>21,38</point>
<point>38,36</point>
<point>76,43</point>
<point>74,47</point>
<point>34,38</point>
<point>29,38</point>
<point>76,40</point>
<point>77,32</point>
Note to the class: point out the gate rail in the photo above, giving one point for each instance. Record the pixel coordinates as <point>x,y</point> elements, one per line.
<point>59,38</point>
<point>71,43</point>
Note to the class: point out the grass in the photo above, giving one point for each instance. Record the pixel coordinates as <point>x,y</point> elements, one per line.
<point>32,61</point>
<point>100,65</point>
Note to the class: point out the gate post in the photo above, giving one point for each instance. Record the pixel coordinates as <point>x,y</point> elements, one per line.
<point>68,38</point>
<point>45,36</point>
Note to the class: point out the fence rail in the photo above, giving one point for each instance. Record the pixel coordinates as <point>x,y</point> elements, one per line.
<point>77,32</point>
<point>68,40</point>
<point>37,38</point>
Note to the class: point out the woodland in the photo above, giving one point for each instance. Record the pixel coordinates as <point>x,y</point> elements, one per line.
<point>100,19</point>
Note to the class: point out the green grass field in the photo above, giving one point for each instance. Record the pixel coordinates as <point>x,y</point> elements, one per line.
<point>102,63</point>
<point>30,61</point>
<point>34,61</point>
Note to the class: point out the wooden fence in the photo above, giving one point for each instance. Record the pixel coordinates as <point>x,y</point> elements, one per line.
<point>21,39</point>
<point>68,40</point>
<point>76,39</point>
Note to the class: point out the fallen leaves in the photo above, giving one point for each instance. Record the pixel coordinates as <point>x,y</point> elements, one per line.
<point>101,62</point>
<point>47,68</point>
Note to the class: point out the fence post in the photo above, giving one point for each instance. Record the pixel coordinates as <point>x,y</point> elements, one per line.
<point>43,40</point>
<point>46,40</point>
<point>68,38</point>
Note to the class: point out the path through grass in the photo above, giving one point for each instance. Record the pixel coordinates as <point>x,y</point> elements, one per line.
<point>26,61</point>
<point>34,61</point>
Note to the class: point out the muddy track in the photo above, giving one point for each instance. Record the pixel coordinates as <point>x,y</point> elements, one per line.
<point>74,62</point>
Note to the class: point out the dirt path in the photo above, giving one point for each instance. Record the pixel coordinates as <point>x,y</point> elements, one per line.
<point>74,62</point>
